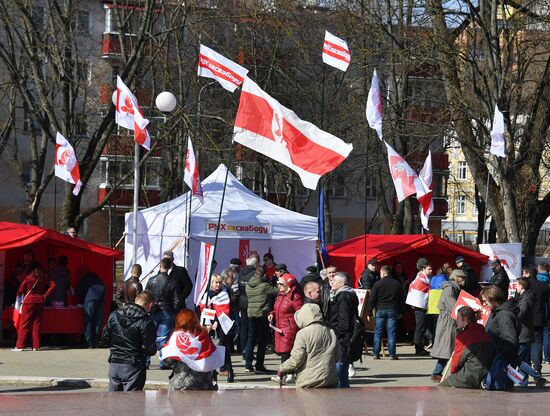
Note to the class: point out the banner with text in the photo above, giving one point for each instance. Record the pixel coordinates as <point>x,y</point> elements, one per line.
<point>240,230</point>
<point>509,255</point>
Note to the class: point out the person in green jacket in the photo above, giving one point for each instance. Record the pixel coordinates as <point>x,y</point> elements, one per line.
<point>260,302</point>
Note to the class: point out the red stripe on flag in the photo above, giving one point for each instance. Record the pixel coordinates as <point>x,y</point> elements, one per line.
<point>256,115</point>
<point>344,54</point>
<point>223,72</point>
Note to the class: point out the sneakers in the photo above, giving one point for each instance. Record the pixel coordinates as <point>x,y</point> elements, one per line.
<point>376,357</point>
<point>351,371</point>
<point>277,379</point>
<point>249,369</point>
<point>541,382</point>
<point>290,378</point>
<point>17,349</point>
<point>436,378</point>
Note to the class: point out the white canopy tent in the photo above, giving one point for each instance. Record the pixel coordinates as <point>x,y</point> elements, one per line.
<point>248,224</point>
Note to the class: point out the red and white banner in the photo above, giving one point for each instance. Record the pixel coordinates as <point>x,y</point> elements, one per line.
<point>198,352</point>
<point>267,127</point>
<point>418,292</point>
<point>336,52</point>
<point>191,174</point>
<point>374,106</point>
<point>129,115</point>
<point>213,65</point>
<point>498,145</point>
<point>203,271</point>
<point>465,299</point>
<point>510,255</point>
<point>221,305</point>
<point>405,179</point>
<point>425,200</point>
<point>66,165</point>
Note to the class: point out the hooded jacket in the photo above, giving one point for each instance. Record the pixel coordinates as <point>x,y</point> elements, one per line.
<point>315,352</point>
<point>260,297</point>
<point>504,327</point>
<point>130,334</point>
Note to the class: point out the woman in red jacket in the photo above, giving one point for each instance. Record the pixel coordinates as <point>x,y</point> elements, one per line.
<point>35,288</point>
<point>288,301</point>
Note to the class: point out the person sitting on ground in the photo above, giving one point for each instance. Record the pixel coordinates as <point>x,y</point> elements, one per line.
<point>315,351</point>
<point>90,291</point>
<point>370,275</point>
<point>312,293</point>
<point>472,282</point>
<point>288,301</point>
<point>130,335</point>
<point>132,286</point>
<point>445,331</point>
<point>474,351</point>
<point>311,276</point>
<point>61,276</point>
<point>387,298</point>
<point>500,277</point>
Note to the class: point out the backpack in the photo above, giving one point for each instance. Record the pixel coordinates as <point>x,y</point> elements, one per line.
<point>357,340</point>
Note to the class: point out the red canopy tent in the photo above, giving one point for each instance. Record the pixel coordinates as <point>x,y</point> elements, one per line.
<point>83,257</point>
<point>349,255</point>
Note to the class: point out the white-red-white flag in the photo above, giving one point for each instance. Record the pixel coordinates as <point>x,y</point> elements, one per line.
<point>213,65</point>
<point>267,127</point>
<point>419,291</point>
<point>405,179</point>
<point>203,270</point>
<point>129,115</point>
<point>374,106</point>
<point>498,146</point>
<point>336,52</point>
<point>191,174</point>
<point>425,200</point>
<point>66,165</point>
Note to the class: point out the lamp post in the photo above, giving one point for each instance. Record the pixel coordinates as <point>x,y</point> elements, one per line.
<point>165,103</point>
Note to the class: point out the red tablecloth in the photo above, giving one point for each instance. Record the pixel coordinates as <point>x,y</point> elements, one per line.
<point>68,320</point>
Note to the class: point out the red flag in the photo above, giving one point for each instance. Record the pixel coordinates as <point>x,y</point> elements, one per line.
<point>267,127</point>
<point>191,174</point>
<point>425,200</point>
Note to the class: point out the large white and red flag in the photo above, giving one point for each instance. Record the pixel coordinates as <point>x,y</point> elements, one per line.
<point>220,303</point>
<point>213,65</point>
<point>197,351</point>
<point>419,291</point>
<point>336,52</point>
<point>405,179</point>
<point>203,270</point>
<point>191,174</point>
<point>267,127</point>
<point>66,165</point>
<point>498,145</point>
<point>465,299</point>
<point>129,115</point>
<point>374,106</point>
<point>425,200</point>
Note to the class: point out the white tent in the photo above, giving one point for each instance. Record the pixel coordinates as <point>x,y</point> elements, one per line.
<point>248,224</point>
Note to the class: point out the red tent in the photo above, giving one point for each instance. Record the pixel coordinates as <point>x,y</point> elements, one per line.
<point>44,243</point>
<point>349,255</point>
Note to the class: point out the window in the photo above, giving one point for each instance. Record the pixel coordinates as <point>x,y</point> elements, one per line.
<point>336,186</point>
<point>338,231</point>
<point>461,205</point>
<point>462,170</point>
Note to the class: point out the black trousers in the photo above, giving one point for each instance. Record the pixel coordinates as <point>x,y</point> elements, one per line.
<point>126,377</point>
<point>284,356</point>
<point>226,340</point>
<point>420,329</point>
<point>243,336</point>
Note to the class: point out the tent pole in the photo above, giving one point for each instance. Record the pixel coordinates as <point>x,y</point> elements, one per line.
<point>187,201</point>
<point>188,231</point>
<point>366,200</point>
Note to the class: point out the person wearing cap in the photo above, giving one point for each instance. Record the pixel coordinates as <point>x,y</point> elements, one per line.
<point>289,300</point>
<point>311,276</point>
<point>417,297</point>
<point>370,275</point>
<point>181,279</point>
<point>472,283</point>
<point>499,278</point>
<point>235,265</point>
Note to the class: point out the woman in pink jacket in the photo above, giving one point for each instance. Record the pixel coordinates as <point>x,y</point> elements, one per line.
<point>288,301</point>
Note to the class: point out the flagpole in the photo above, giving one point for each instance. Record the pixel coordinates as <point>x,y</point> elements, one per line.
<point>136,201</point>
<point>366,199</point>
<point>486,203</point>
<point>54,203</point>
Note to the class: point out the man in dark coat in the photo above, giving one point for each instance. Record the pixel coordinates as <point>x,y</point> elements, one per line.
<point>499,278</point>
<point>341,317</point>
<point>182,279</point>
<point>370,275</point>
<point>311,276</point>
<point>526,302</point>
<point>130,334</point>
<point>90,291</point>
<point>472,282</point>
<point>132,286</point>
<point>252,263</point>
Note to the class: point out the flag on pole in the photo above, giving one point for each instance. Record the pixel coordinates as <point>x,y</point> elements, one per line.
<point>498,146</point>
<point>336,52</point>
<point>374,106</point>
<point>267,127</point>
<point>405,179</point>
<point>66,165</point>
<point>213,65</point>
<point>426,201</point>
<point>203,270</point>
<point>129,115</point>
<point>321,223</point>
<point>191,174</point>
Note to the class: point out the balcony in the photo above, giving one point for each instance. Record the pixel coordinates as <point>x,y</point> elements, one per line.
<point>124,198</point>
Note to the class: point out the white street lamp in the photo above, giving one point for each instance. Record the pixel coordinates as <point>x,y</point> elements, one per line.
<point>166,102</point>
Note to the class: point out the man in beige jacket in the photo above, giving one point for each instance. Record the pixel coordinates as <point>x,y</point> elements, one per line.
<point>314,355</point>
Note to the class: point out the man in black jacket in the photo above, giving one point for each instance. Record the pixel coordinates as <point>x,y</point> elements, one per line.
<point>342,311</point>
<point>370,275</point>
<point>182,279</point>
<point>472,283</point>
<point>252,263</point>
<point>387,297</point>
<point>166,292</point>
<point>499,278</point>
<point>130,334</point>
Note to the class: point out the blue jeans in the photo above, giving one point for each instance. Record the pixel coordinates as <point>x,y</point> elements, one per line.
<point>439,366</point>
<point>385,318</point>
<point>164,323</point>
<point>546,342</point>
<point>342,368</point>
<point>258,332</point>
<point>93,315</point>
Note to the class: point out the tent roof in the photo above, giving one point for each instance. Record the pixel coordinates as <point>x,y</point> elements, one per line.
<point>385,247</point>
<point>13,235</point>
<point>241,206</point>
